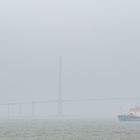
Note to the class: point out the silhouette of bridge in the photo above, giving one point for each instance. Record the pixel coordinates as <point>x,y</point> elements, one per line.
<point>60,101</point>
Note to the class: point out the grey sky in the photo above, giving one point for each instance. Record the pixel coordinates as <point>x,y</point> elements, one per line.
<point>97,39</point>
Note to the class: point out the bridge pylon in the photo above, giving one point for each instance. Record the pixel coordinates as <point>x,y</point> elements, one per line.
<point>60,100</point>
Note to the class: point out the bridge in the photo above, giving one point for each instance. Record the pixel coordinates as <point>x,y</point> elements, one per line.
<point>59,101</point>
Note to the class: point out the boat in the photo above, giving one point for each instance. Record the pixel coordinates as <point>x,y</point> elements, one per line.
<point>131,116</point>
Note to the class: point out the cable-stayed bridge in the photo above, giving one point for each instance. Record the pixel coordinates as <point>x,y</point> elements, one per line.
<point>60,101</point>
<point>34,104</point>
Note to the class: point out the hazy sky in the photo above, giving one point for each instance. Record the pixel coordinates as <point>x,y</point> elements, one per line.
<point>99,41</point>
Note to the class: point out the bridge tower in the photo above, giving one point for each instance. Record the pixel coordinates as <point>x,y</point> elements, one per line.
<point>59,100</point>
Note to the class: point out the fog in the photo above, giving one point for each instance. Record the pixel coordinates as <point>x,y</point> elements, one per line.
<point>98,41</point>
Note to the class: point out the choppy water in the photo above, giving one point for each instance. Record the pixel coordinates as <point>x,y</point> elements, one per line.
<point>68,130</point>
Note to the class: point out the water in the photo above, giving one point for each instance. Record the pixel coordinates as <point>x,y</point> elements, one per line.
<point>68,130</point>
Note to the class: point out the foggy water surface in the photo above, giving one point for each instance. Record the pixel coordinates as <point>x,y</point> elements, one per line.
<point>68,130</point>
